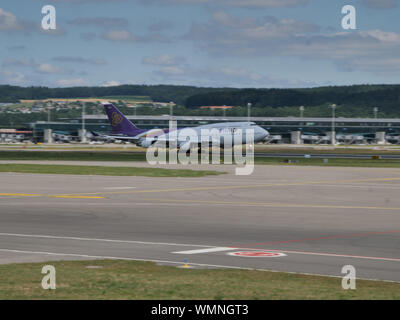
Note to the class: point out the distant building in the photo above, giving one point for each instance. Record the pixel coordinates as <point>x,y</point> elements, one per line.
<point>275,125</point>
<point>216,107</point>
<point>14,135</point>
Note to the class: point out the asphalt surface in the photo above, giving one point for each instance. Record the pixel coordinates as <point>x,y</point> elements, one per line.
<point>319,218</point>
<point>326,155</point>
<point>258,154</point>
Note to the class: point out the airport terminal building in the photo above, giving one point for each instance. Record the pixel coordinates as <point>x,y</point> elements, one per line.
<point>282,129</point>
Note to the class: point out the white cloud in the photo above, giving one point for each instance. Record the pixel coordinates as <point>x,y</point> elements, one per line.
<point>81,60</point>
<point>242,77</point>
<point>162,60</point>
<point>48,68</point>
<point>161,25</point>
<point>266,3</point>
<point>42,68</point>
<point>172,71</point>
<point>248,37</point>
<point>111,83</point>
<point>71,82</point>
<point>11,77</point>
<point>235,3</point>
<point>239,73</point>
<point>88,1</point>
<point>17,48</point>
<point>8,21</point>
<point>377,66</point>
<point>232,3</point>
<point>380,4</point>
<point>119,35</point>
<point>19,62</point>
<point>245,33</point>
<point>374,44</point>
<point>127,36</point>
<point>226,76</point>
<point>107,22</point>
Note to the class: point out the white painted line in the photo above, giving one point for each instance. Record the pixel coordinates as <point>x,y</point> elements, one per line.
<point>257,254</point>
<point>395,186</point>
<point>327,254</point>
<point>116,258</point>
<point>207,250</point>
<point>120,188</point>
<point>198,246</point>
<point>178,262</point>
<point>101,240</point>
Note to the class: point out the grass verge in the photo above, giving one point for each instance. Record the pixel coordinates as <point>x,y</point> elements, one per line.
<point>145,280</point>
<point>126,156</point>
<point>104,171</point>
<point>72,155</point>
<point>367,163</point>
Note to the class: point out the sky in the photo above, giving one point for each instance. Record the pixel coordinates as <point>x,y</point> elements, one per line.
<point>211,43</point>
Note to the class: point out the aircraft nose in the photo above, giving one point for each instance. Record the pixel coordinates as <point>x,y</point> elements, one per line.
<point>264,132</point>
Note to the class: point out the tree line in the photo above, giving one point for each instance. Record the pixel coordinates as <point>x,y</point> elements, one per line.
<point>352,100</point>
<point>160,93</point>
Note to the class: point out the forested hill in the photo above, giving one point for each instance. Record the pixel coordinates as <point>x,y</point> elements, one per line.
<point>160,93</point>
<point>386,97</point>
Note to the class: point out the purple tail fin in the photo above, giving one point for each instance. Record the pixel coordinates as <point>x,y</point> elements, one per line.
<point>119,123</point>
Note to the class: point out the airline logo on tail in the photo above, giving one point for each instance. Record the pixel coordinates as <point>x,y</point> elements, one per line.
<point>116,119</point>
<point>119,123</point>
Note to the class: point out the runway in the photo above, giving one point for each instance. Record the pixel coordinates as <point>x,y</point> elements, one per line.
<point>326,155</point>
<point>319,218</point>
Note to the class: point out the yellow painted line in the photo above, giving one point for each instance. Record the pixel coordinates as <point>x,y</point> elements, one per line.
<point>272,204</point>
<point>232,187</point>
<point>48,196</point>
<point>20,195</point>
<point>99,195</point>
<point>77,197</point>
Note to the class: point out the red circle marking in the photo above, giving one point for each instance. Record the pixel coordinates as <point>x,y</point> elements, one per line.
<point>257,254</point>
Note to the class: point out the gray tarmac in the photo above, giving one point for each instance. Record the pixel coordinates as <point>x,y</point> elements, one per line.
<point>318,218</point>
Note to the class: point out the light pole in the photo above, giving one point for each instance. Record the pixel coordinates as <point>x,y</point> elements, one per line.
<point>249,111</point>
<point>83,117</point>
<point>172,123</point>
<point>333,137</point>
<point>83,131</point>
<point>301,111</point>
<point>376,112</point>
<point>224,111</point>
<point>171,110</point>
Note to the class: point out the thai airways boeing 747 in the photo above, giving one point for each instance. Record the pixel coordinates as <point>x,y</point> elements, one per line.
<point>125,130</point>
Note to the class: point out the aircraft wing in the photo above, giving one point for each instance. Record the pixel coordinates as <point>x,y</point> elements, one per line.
<point>117,137</point>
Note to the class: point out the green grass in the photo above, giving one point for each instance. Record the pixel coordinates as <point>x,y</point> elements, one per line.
<point>21,105</point>
<point>328,150</point>
<point>145,280</point>
<point>123,156</point>
<point>72,156</point>
<point>103,171</point>
<point>128,98</point>
<point>367,163</point>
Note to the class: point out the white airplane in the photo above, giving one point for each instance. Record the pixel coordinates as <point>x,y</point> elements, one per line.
<point>221,134</point>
